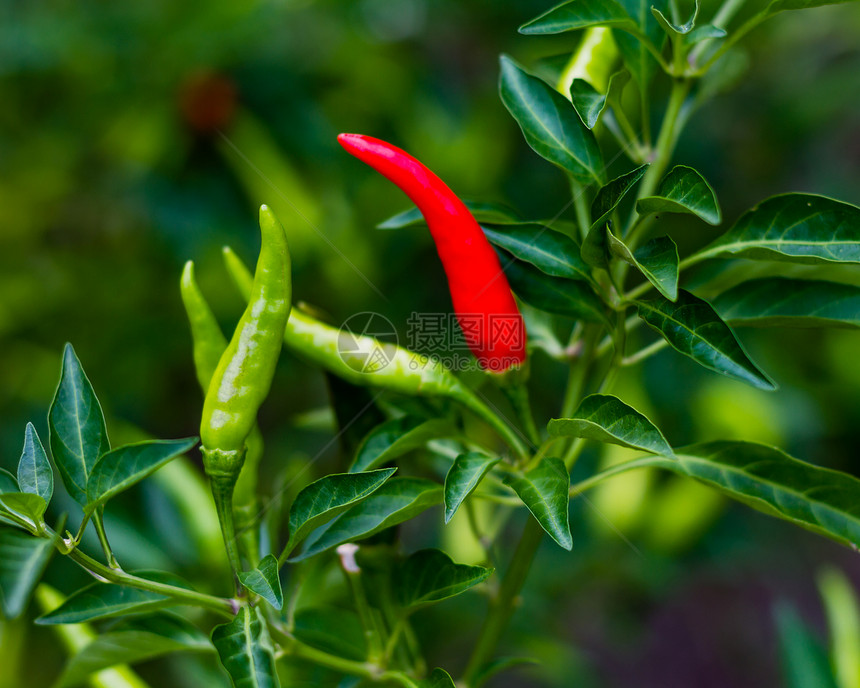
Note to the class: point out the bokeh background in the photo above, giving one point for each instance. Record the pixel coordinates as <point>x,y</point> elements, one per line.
<point>134,136</point>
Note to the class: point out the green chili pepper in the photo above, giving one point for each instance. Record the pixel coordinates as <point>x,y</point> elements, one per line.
<point>592,60</point>
<point>399,370</point>
<point>209,345</point>
<point>243,376</point>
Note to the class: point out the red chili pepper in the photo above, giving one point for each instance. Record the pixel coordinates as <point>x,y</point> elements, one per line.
<point>485,308</point>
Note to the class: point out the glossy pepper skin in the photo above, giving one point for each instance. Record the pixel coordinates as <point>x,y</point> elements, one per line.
<point>482,299</point>
<point>242,379</point>
<point>406,372</point>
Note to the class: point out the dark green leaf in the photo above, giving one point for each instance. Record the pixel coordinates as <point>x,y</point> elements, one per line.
<point>398,500</point>
<point>246,651</point>
<point>27,507</point>
<point>545,491</point>
<point>106,600</point>
<point>579,14</point>
<point>78,433</point>
<point>683,190</point>
<point>333,630</point>
<point>439,678</point>
<point>489,213</point>
<point>7,482</point>
<point>824,501</point>
<point>610,195</point>
<point>34,471</point>
<point>550,124</point>
<point>657,260</point>
<point>634,51</point>
<point>673,29</point>
<point>573,298</point>
<point>394,438</point>
<point>553,253</point>
<point>430,576</point>
<point>804,661</point>
<point>133,641</point>
<point>800,228</point>
<point>23,559</point>
<point>125,466</point>
<point>606,418</point>
<point>329,496</point>
<point>463,477</point>
<point>780,301</point>
<point>265,581</point>
<point>692,327</point>
<point>590,103</point>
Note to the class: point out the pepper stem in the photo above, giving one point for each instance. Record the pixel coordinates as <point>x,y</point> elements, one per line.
<point>223,469</point>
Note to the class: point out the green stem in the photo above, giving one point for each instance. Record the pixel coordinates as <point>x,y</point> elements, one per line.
<point>221,605</point>
<point>505,431</point>
<point>98,522</point>
<point>579,369</point>
<point>581,205</point>
<point>666,139</point>
<point>502,606</point>
<point>742,31</point>
<point>618,469</point>
<point>644,353</point>
<point>518,394</point>
<point>372,634</point>
<point>222,493</point>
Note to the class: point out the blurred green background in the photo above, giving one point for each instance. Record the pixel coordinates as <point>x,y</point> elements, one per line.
<point>134,136</point>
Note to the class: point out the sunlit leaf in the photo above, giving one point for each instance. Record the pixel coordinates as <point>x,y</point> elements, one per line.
<point>781,301</point>
<point>463,477</point>
<point>78,434</point>
<point>550,124</point>
<point>246,650</point>
<point>35,475</point>
<point>692,327</point>
<point>545,492</point>
<point>579,14</point>
<point>683,190</point>
<point>27,507</point>
<point>606,418</point>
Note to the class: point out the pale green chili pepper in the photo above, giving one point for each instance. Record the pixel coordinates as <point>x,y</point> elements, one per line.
<point>243,376</point>
<point>209,345</point>
<point>402,370</point>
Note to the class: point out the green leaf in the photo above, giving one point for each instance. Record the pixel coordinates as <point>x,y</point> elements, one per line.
<point>801,228</point>
<point>693,328</point>
<point>107,600</point>
<point>606,418</point>
<point>824,501</point>
<point>804,661</point>
<point>27,507</point>
<point>579,14</point>
<point>572,298</point>
<point>329,496</point>
<point>7,482</point>
<point>703,32</point>
<point>634,50</point>
<point>34,471</point>
<point>781,301</point>
<point>463,477</point>
<point>23,559</point>
<point>553,253</point>
<point>430,576</point>
<point>782,5</point>
<point>78,434</point>
<point>589,103</point>
<point>656,259</point>
<point>482,211</point>
<point>265,581</point>
<point>439,678</point>
<point>550,124</point>
<point>125,466</point>
<point>683,190</point>
<point>246,650</point>
<point>545,492</point>
<point>333,630</point>
<point>611,194</point>
<point>394,438</point>
<point>395,502</point>
<point>676,29</point>
<point>133,641</point>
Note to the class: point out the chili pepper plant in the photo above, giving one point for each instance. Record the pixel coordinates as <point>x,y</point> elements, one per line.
<point>320,583</point>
